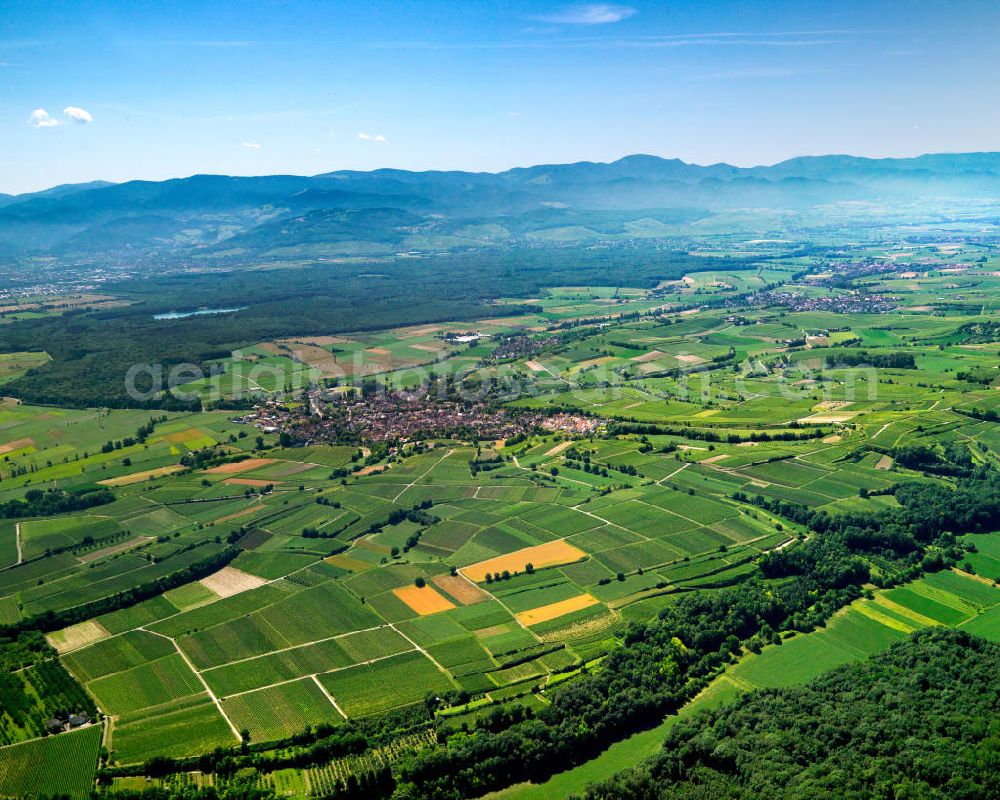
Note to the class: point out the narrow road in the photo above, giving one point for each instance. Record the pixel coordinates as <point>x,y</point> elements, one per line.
<point>17,534</point>
<point>329,696</point>
<point>204,683</point>
<point>421,476</point>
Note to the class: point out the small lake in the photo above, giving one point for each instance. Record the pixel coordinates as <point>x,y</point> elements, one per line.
<point>198,313</point>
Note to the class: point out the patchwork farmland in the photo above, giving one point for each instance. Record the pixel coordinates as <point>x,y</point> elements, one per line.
<point>324,609</point>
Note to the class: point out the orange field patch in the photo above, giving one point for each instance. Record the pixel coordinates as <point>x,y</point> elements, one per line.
<point>249,482</point>
<point>235,467</point>
<point>462,589</point>
<point>348,563</point>
<point>535,616</point>
<point>549,554</point>
<point>373,469</point>
<point>424,601</point>
<point>314,356</point>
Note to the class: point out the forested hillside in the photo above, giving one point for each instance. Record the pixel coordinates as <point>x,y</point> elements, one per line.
<point>917,721</point>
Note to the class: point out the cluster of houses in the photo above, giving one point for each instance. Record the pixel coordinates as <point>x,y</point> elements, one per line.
<point>403,417</point>
<point>846,303</point>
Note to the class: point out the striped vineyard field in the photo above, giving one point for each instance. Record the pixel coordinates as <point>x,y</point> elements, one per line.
<point>330,778</point>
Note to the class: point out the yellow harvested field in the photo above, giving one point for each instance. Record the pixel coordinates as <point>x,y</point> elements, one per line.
<point>652,355</point>
<point>246,512</point>
<point>179,437</point>
<point>424,600</point>
<point>138,477</point>
<point>229,581</point>
<point>560,447</point>
<point>249,482</point>
<point>593,362</point>
<point>549,554</point>
<point>462,589</point>
<point>235,467</point>
<point>884,463</point>
<point>536,616</point>
<point>534,366</point>
<point>430,348</point>
<point>819,419</point>
<point>76,636</point>
<point>17,444</point>
<point>423,330</point>
<point>687,358</point>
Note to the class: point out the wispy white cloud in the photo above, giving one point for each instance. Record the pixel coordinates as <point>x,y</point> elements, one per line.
<point>251,145</point>
<point>223,43</point>
<point>776,39</point>
<point>40,118</point>
<point>746,72</point>
<point>587,14</point>
<point>369,137</point>
<point>78,115</point>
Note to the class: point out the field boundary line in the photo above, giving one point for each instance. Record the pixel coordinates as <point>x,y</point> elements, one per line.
<point>662,508</point>
<point>329,696</point>
<point>315,674</point>
<point>204,683</point>
<point>615,524</point>
<point>293,647</point>
<point>46,736</point>
<point>680,469</point>
<point>422,650</point>
<point>557,477</point>
<point>422,475</point>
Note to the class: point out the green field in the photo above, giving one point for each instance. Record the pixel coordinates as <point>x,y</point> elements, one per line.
<point>224,584</point>
<point>55,765</point>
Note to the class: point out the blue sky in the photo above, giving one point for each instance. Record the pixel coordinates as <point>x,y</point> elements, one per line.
<point>121,90</point>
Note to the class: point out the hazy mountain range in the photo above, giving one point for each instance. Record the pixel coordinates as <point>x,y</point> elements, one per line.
<point>384,211</point>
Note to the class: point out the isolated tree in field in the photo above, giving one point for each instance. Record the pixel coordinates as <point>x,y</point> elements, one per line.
<point>529,568</point>
<point>420,583</point>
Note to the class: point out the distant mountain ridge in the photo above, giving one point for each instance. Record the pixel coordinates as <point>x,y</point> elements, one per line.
<point>451,208</point>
